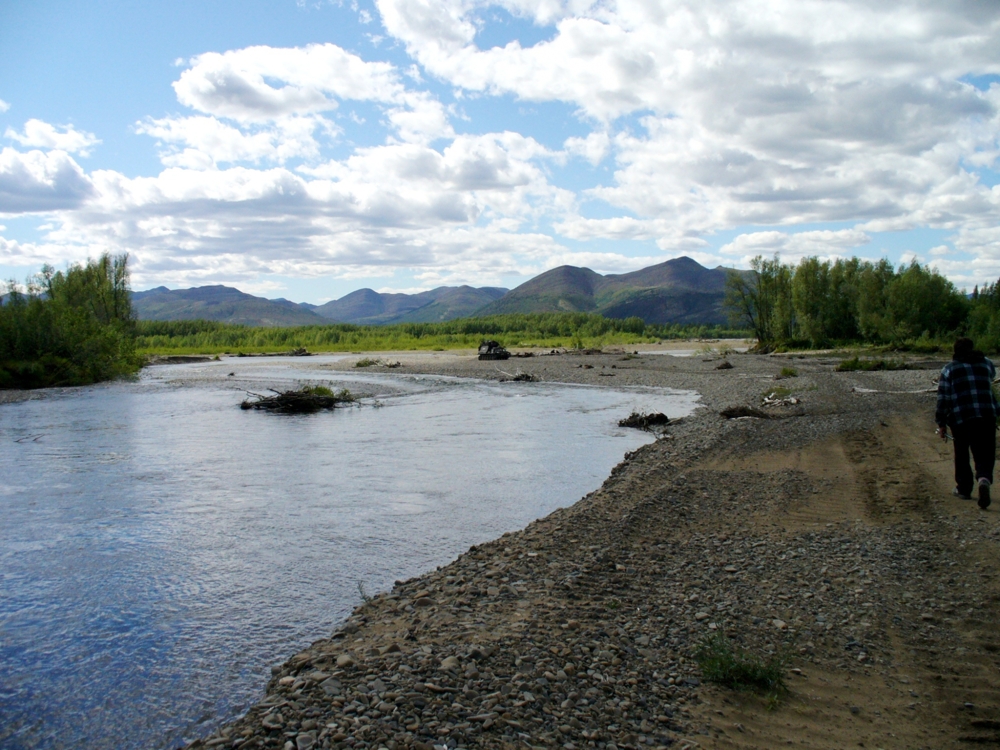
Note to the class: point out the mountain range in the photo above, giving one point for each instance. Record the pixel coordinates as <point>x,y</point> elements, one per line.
<point>676,291</point>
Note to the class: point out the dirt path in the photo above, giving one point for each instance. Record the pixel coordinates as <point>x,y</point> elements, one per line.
<point>932,680</point>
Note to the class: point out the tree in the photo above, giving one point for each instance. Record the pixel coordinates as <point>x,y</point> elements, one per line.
<point>760,299</point>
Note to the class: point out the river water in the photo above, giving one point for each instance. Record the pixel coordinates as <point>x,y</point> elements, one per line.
<point>160,549</point>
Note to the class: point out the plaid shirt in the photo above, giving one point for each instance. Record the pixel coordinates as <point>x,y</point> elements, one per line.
<point>965,391</point>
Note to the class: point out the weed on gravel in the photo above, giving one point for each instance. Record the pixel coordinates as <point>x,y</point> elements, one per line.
<point>734,668</point>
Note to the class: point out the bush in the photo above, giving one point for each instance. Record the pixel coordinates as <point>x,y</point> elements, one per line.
<point>70,328</point>
<point>789,372</point>
<point>871,365</point>
<point>725,665</point>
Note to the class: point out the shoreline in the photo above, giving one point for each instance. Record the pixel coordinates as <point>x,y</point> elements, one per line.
<point>828,536</point>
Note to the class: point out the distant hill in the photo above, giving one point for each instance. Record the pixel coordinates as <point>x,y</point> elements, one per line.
<point>220,303</point>
<point>676,291</point>
<point>363,307</point>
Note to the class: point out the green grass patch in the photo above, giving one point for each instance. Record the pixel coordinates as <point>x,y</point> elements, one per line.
<point>737,669</point>
<point>366,362</point>
<point>542,330</point>
<point>856,364</point>
<point>789,372</point>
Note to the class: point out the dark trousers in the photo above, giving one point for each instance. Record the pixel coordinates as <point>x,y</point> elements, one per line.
<point>979,436</point>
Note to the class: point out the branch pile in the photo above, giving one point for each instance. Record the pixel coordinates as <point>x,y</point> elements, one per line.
<point>305,401</point>
<point>644,421</point>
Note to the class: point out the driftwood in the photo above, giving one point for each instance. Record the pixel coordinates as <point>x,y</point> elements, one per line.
<point>644,421</point>
<point>305,401</point>
<point>736,412</point>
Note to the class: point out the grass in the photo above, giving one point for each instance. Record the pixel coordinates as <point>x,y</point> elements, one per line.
<point>789,372</point>
<point>366,362</point>
<point>870,365</point>
<point>541,330</point>
<point>737,669</point>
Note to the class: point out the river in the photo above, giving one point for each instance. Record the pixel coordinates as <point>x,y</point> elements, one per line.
<point>160,548</point>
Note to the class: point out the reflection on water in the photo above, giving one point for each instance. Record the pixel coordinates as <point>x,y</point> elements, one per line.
<point>161,548</point>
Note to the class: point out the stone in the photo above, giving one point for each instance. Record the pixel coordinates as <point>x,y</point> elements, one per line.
<point>423,601</point>
<point>450,663</point>
<point>345,660</point>
<point>701,616</point>
<point>305,741</point>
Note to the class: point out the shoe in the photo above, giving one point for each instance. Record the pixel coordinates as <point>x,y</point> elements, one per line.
<point>962,495</point>
<point>984,493</point>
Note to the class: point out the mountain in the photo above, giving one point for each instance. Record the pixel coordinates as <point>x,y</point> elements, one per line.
<point>368,307</point>
<point>220,303</point>
<point>363,307</point>
<point>676,291</point>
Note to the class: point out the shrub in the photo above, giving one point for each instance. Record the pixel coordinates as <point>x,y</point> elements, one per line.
<point>870,365</point>
<point>737,669</point>
<point>789,372</point>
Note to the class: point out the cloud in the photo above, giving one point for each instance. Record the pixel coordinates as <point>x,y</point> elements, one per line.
<point>39,134</point>
<point>37,181</point>
<point>724,114</point>
<point>793,247</point>
<point>198,142</point>
<point>260,84</point>
<point>4,106</point>
<point>463,213</point>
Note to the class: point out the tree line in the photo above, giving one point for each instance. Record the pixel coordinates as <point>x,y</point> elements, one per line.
<point>69,327</point>
<point>847,301</point>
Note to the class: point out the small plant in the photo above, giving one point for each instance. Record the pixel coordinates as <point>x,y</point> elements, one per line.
<point>789,372</point>
<point>737,669</point>
<point>366,362</point>
<point>613,604</point>
<point>871,365</point>
<point>777,393</point>
<point>317,390</point>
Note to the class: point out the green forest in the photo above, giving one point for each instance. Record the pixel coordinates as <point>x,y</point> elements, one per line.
<point>69,327</point>
<point>849,302</point>
<point>576,330</point>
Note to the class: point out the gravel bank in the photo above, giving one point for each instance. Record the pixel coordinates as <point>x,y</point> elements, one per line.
<point>826,534</point>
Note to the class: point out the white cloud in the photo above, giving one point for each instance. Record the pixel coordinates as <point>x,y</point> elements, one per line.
<point>198,142</point>
<point>780,113</point>
<point>39,134</point>
<point>593,148</point>
<point>37,181</point>
<point>244,84</point>
<point>825,244</point>
<point>4,106</point>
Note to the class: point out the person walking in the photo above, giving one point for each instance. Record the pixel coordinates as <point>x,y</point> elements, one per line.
<point>966,404</point>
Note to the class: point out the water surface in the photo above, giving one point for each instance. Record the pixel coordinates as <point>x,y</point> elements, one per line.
<point>160,548</point>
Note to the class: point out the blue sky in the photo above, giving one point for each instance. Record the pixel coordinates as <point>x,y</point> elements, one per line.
<point>309,149</point>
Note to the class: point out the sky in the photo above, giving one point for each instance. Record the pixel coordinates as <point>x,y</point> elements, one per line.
<point>308,149</point>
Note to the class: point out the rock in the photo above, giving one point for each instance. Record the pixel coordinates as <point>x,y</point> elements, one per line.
<point>305,741</point>
<point>701,616</point>
<point>450,663</point>
<point>423,601</point>
<point>345,661</point>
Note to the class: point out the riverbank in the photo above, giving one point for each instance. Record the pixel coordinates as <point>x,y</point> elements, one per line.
<point>829,535</point>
